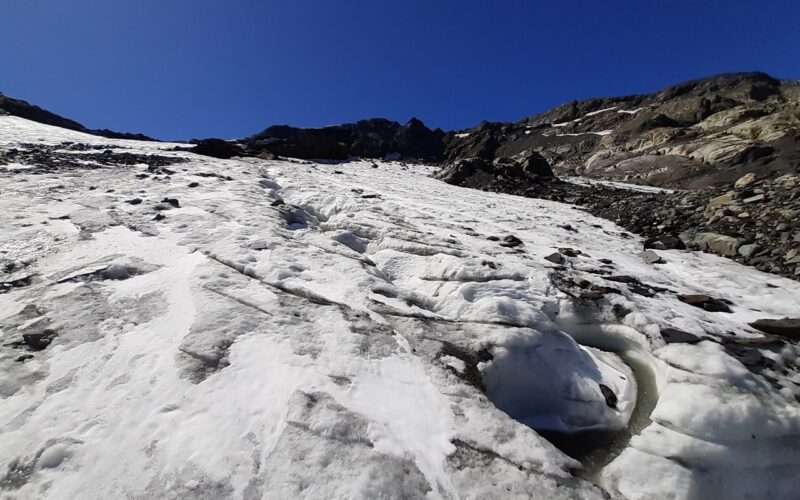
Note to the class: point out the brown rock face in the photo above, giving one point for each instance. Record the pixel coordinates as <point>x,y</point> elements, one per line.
<point>786,327</point>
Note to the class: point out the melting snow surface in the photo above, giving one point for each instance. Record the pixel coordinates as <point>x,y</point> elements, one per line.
<point>298,330</point>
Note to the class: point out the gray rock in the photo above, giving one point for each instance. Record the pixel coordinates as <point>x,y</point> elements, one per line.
<point>754,199</point>
<point>651,257</point>
<point>748,250</point>
<point>555,258</point>
<point>720,201</point>
<point>717,243</point>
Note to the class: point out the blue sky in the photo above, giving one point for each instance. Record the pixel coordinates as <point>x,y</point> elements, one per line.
<point>179,69</point>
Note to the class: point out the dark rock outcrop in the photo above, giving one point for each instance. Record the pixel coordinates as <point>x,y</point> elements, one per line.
<point>218,148</point>
<point>375,138</point>
<point>786,327</point>
<point>525,171</point>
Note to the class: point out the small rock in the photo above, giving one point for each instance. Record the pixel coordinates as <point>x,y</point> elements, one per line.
<point>511,241</point>
<point>748,250</point>
<point>569,252</point>
<point>651,257</point>
<point>135,201</point>
<point>194,184</point>
<point>675,336</point>
<point>39,341</point>
<point>159,217</point>
<point>582,282</point>
<point>720,201</point>
<point>745,181</point>
<point>610,397</point>
<point>267,155</point>
<point>555,258</point>
<point>172,201</point>
<point>665,243</point>
<point>754,199</point>
<point>705,302</point>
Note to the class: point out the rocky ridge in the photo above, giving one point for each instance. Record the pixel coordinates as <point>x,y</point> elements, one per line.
<point>696,134</point>
<point>23,109</point>
<point>700,133</point>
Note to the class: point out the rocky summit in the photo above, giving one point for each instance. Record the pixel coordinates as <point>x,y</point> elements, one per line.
<point>600,301</point>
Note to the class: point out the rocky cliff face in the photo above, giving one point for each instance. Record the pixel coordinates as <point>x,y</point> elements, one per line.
<point>706,132</point>
<point>375,138</point>
<point>696,134</point>
<point>701,133</point>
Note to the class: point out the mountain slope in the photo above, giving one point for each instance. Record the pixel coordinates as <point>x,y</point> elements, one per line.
<point>706,132</point>
<point>174,325</point>
<point>700,133</point>
<point>17,107</point>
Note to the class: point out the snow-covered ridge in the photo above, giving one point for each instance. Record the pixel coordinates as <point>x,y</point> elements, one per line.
<point>296,330</point>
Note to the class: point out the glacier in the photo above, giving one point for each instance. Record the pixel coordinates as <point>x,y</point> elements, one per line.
<point>184,326</point>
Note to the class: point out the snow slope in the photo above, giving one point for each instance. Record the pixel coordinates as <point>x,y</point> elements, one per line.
<point>299,330</point>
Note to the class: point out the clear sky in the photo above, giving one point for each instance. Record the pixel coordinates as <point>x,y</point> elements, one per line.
<point>179,69</point>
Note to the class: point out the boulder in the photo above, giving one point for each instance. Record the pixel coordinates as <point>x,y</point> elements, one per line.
<point>705,302</point>
<point>748,250</point>
<point>786,327</point>
<point>676,336</point>
<point>717,243</point>
<point>511,241</point>
<point>651,257</point>
<point>459,171</point>
<point>39,341</point>
<point>218,148</point>
<point>667,242</point>
<point>533,164</point>
<point>744,181</point>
